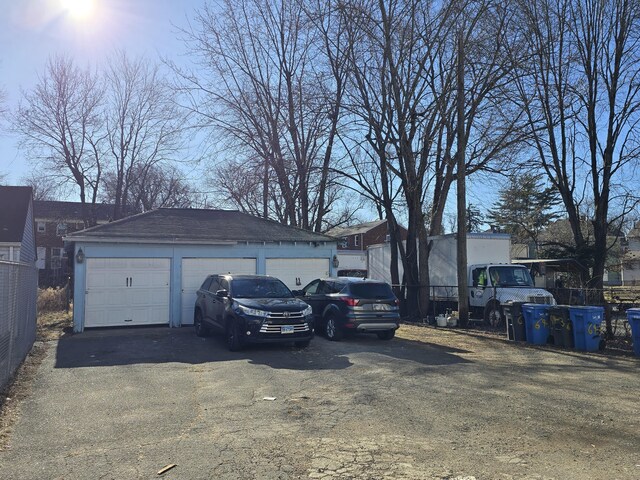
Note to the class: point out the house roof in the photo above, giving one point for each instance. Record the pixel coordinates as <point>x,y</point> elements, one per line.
<point>13,214</point>
<point>54,210</point>
<point>184,225</point>
<point>355,229</point>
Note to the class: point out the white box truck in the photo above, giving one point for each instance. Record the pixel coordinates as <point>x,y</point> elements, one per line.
<point>492,279</point>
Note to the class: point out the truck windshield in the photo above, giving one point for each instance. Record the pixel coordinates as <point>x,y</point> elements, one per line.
<point>509,276</point>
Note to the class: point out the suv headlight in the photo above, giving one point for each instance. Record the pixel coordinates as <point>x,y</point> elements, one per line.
<point>252,311</point>
<point>307,311</point>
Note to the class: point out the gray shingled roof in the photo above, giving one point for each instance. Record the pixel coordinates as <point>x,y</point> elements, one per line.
<point>54,210</point>
<point>14,205</point>
<point>354,229</point>
<point>198,226</point>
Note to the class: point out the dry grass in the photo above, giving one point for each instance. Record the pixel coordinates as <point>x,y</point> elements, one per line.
<point>51,325</point>
<point>52,299</point>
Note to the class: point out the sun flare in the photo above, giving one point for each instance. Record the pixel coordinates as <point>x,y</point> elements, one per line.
<point>79,9</point>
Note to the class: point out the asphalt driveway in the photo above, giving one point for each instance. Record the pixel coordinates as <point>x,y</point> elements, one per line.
<point>124,403</point>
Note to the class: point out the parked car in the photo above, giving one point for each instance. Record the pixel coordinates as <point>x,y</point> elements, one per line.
<point>251,309</point>
<point>352,305</point>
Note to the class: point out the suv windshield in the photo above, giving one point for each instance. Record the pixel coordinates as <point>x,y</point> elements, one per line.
<point>371,290</point>
<point>510,277</point>
<point>259,288</point>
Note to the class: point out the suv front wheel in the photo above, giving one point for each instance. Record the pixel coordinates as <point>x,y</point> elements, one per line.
<point>234,342</point>
<point>331,329</point>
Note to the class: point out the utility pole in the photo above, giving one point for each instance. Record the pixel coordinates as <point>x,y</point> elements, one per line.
<point>463,302</point>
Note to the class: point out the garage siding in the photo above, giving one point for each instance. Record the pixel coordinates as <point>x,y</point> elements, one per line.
<point>188,265</point>
<point>195,270</point>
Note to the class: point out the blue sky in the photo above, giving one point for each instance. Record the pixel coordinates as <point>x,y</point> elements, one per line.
<point>32,30</point>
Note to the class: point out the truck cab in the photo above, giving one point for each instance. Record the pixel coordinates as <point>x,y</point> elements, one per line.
<point>493,285</point>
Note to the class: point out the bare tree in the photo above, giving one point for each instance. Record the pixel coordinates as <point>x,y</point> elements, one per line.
<point>270,101</point>
<point>144,125</point>
<point>151,187</point>
<point>45,186</point>
<point>580,89</point>
<point>403,70</point>
<point>60,127</point>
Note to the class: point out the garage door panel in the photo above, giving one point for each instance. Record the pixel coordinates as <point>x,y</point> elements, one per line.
<point>297,272</point>
<point>195,270</point>
<point>127,291</point>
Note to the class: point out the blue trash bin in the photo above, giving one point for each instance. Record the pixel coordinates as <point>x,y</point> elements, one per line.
<point>633,317</point>
<point>586,327</point>
<point>536,321</point>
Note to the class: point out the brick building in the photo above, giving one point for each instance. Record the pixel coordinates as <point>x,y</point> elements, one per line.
<point>353,244</point>
<point>54,220</point>
<point>359,237</point>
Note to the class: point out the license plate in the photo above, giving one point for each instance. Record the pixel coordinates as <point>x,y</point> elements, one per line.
<point>286,329</point>
<point>380,306</point>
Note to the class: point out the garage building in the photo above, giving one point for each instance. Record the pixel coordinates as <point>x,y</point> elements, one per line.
<point>146,269</point>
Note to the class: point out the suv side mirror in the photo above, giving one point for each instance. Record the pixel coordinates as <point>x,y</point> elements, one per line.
<point>298,293</point>
<point>222,293</point>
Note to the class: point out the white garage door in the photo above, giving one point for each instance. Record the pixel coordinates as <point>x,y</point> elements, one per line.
<point>195,270</point>
<point>297,272</point>
<point>127,291</point>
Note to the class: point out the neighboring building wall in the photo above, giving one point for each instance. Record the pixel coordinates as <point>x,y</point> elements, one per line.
<point>18,293</point>
<point>54,265</point>
<point>631,274</point>
<point>28,247</point>
<point>10,253</point>
<point>630,260</point>
<point>360,241</point>
<point>374,236</point>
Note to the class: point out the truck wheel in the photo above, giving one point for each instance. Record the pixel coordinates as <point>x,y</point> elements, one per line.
<point>493,315</point>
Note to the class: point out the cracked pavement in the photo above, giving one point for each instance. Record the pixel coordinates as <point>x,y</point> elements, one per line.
<point>434,403</point>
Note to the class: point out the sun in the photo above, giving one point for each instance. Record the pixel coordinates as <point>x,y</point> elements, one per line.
<point>79,9</point>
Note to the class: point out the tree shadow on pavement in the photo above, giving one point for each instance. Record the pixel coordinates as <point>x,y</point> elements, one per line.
<point>149,345</point>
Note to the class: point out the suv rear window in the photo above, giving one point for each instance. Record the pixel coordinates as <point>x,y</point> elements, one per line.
<point>371,290</point>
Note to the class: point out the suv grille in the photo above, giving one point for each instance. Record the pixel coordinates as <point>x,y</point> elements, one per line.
<point>540,299</point>
<point>284,317</point>
<point>270,328</point>
<point>276,320</point>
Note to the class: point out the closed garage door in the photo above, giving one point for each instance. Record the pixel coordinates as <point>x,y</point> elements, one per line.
<point>195,270</point>
<point>297,272</point>
<point>127,291</point>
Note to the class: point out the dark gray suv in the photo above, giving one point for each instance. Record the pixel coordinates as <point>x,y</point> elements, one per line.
<point>346,304</point>
<point>251,309</point>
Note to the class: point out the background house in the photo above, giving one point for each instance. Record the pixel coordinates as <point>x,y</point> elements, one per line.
<point>354,241</point>
<point>17,242</point>
<point>146,269</point>
<point>53,221</point>
<point>630,258</point>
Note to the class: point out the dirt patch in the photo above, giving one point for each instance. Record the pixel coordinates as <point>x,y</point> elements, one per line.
<point>619,345</point>
<point>51,325</point>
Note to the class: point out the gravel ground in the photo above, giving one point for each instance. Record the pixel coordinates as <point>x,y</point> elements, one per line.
<point>432,403</point>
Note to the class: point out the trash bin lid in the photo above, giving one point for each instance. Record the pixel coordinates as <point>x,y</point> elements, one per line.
<point>586,308</point>
<point>633,312</point>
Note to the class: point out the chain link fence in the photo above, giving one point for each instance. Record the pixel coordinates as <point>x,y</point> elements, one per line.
<point>18,295</point>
